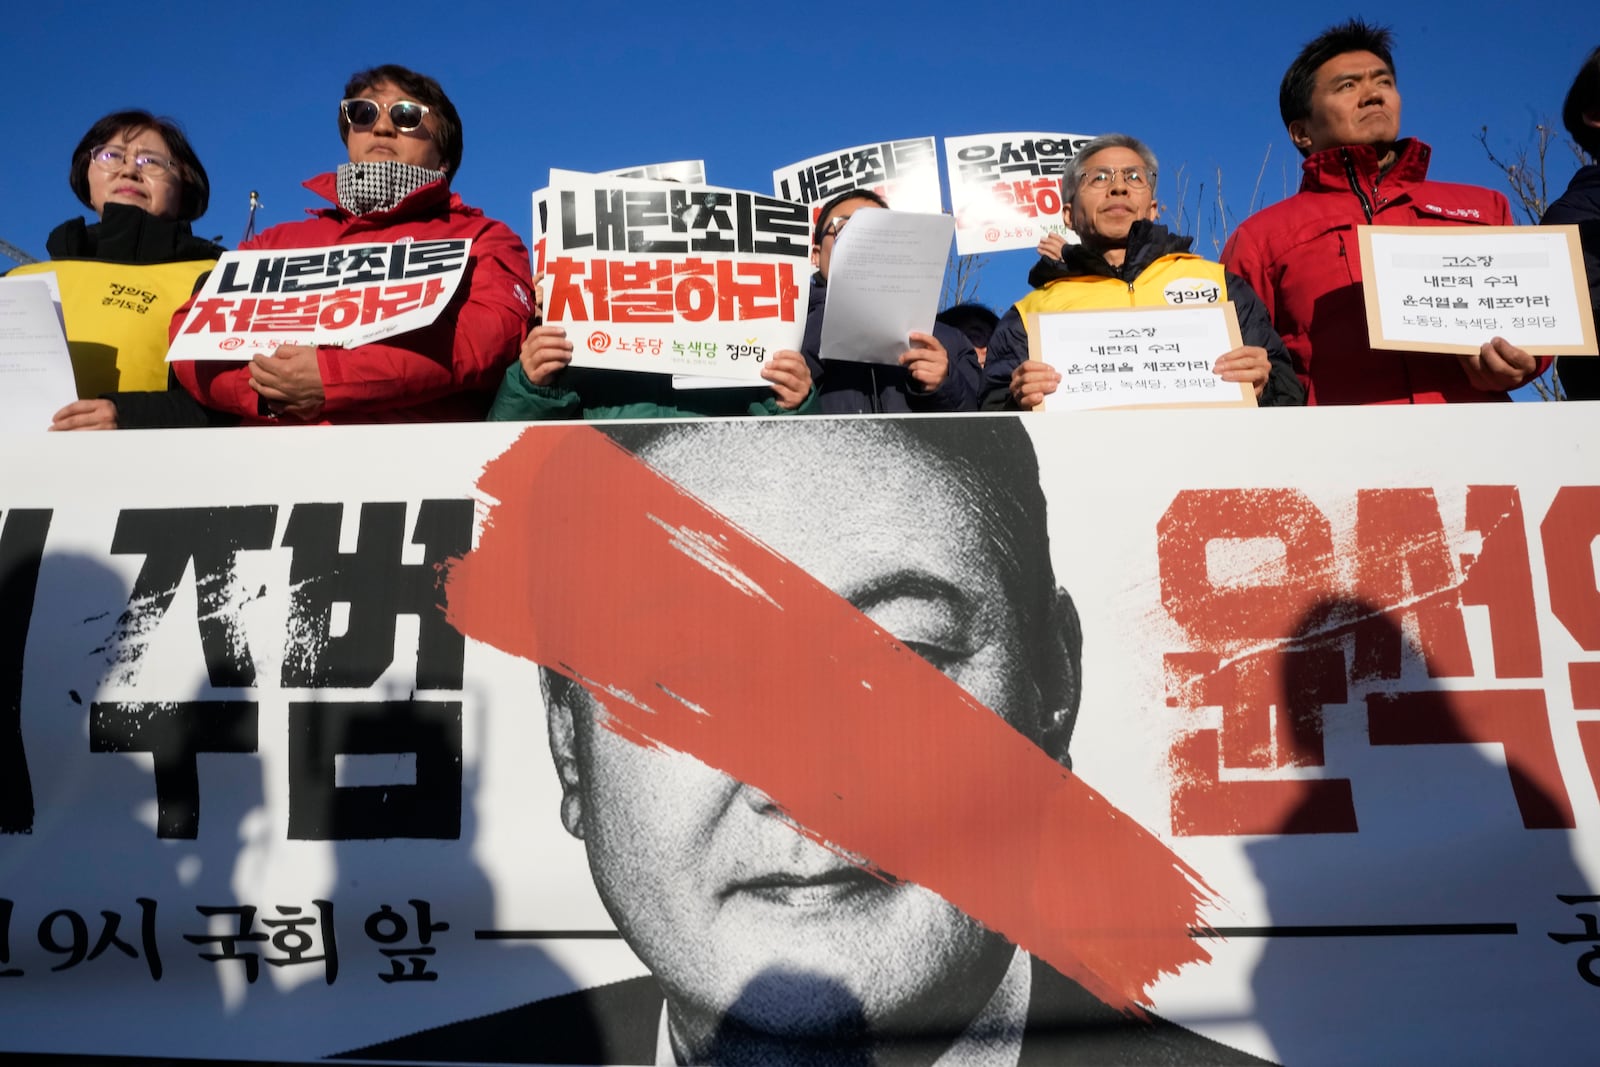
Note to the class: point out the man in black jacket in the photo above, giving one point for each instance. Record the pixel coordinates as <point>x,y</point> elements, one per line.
<point>938,372</point>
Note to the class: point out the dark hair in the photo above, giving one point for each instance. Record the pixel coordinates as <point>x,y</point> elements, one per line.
<point>975,321</point>
<point>1584,99</point>
<point>191,175</point>
<point>424,90</point>
<point>833,205</point>
<point>1300,80</point>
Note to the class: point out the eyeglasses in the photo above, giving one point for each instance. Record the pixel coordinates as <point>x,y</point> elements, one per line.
<point>834,225</point>
<point>405,114</point>
<point>1104,177</point>
<point>112,157</point>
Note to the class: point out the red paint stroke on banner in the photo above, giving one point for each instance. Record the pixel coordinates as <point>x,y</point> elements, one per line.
<point>596,566</point>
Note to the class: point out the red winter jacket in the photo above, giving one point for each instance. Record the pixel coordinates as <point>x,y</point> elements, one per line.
<point>448,371</point>
<point>1301,256</point>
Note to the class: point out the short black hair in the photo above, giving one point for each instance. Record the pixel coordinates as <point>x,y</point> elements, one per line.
<point>975,321</point>
<point>196,195</point>
<point>833,205</point>
<point>1584,99</point>
<point>1300,80</point>
<point>422,89</point>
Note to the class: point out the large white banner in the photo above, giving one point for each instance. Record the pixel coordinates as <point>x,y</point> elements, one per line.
<point>749,739</point>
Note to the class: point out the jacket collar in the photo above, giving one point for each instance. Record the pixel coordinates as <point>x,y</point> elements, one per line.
<point>435,196</point>
<point>1326,171</point>
<point>1147,242</point>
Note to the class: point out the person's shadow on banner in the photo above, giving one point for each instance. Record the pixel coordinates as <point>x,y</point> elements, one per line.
<point>1413,886</point>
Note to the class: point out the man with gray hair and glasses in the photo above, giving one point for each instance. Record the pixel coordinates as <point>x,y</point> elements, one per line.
<point>1125,259</point>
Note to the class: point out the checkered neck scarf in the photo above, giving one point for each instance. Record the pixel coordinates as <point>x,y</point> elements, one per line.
<point>367,187</point>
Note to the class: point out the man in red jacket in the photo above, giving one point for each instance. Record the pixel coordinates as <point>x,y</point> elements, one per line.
<point>1340,103</point>
<point>404,139</point>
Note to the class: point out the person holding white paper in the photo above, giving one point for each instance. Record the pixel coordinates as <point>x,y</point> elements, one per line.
<point>937,372</point>
<point>1126,260</point>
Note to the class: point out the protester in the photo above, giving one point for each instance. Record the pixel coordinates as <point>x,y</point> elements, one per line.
<point>1125,259</point>
<point>766,944</point>
<point>122,276</point>
<point>404,140</point>
<point>976,323</point>
<point>1341,105</point>
<point>1580,205</point>
<point>937,372</point>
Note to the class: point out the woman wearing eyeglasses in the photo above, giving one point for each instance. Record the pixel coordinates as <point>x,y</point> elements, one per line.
<point>404,141</point>
<point>122,275</point>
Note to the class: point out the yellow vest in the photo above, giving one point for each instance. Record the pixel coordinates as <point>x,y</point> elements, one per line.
<point>117,316</point>
<point>1177,279</point>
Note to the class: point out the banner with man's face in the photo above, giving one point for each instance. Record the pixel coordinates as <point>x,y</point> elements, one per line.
<point>753,738</point>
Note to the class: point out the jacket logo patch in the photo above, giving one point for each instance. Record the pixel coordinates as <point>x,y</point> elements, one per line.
<point>1192,291</point>
<point>1454,212</point>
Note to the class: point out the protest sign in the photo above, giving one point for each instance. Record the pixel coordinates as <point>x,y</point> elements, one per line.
<point>1005,188</point>
<point>1138,356</point>
<point>342,295</point>
<point>674,279</point>
<point>1450,289</point>
<point>481,753</point>
<point>905,173</point>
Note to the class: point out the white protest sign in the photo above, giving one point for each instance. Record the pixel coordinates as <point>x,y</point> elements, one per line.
<point>1005,188</point>
<point>905,173</point>
<point>35,367</point>
<point>344,295</point>
<point>1138,357</point>
<point>884,276</point>
<point>674,279</point>
<point>1450,289</point>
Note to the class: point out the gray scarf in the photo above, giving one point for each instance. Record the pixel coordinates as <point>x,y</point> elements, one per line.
<point>367,187</point>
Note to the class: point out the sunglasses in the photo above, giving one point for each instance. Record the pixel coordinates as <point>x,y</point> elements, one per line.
<point>404,114</point>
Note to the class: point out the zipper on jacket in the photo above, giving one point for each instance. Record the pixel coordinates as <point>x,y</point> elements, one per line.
<point>1355,184</point>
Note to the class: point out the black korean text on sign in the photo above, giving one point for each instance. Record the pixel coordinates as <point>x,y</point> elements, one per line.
<point>378,587</point>
<point>298,272</point>
<point>862,168</point>
<point>682,221</point>
<point>321,810</point>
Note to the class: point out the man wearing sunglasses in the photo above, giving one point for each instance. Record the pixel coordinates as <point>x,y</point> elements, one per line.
<point>1126,260</point>
<point>404,140</point>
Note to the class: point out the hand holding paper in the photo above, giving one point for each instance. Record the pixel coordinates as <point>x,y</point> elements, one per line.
<point>290,380</point>
<point>790,378</point>
<point>86,415</point>
<point>1248,363</point>
<point>926,361</point>
<point>1499,366</point>
<point>1032,381</point>
<point>545,353</point>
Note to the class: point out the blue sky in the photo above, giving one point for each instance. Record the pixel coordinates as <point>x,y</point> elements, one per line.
<point>748,88</point>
